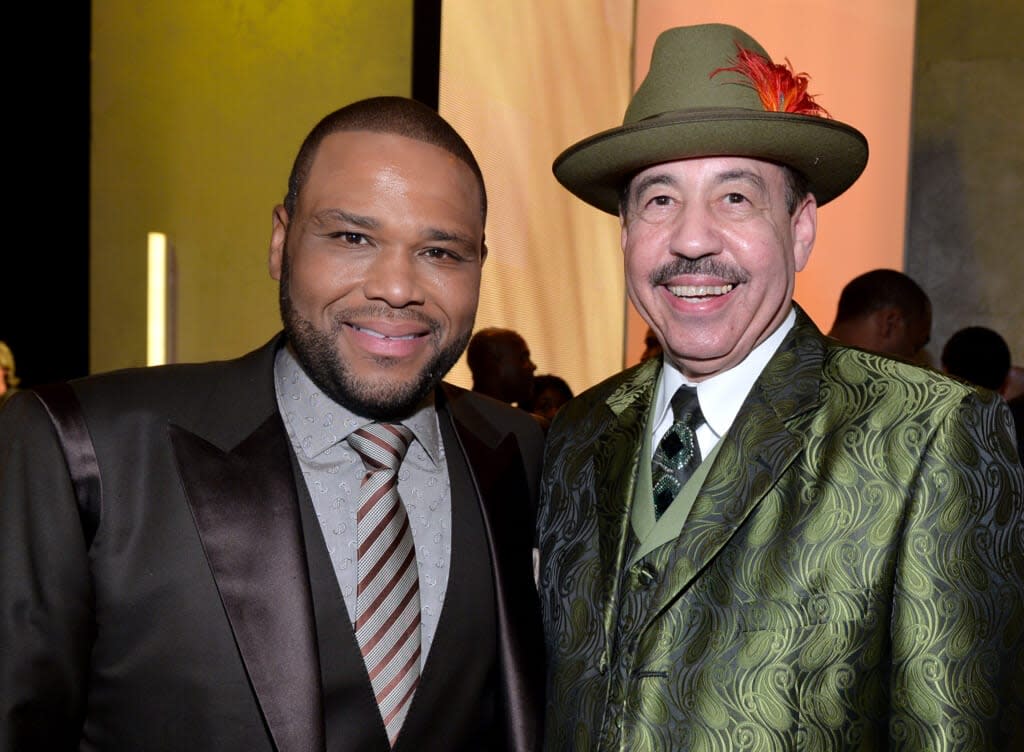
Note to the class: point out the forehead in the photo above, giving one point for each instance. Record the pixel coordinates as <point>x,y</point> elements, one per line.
<point>701,171</point>
<point>359,160</point>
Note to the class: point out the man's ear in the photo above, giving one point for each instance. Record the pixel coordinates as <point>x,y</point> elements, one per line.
<point>278,234</point>
<point>891,320</point>
<point>805,229</point>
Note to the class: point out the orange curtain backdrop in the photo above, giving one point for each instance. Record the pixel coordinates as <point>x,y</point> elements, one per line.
<point>859,57</point>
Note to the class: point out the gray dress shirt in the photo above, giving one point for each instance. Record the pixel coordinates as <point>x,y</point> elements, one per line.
<point>317,427</point>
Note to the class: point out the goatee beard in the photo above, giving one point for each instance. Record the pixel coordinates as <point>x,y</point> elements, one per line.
<point>378,399</point>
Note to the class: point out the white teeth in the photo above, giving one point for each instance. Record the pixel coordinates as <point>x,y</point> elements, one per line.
<point>378,335</point>
<point>699,291</point>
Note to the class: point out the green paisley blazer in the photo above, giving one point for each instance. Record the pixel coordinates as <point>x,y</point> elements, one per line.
<point>851,575</point>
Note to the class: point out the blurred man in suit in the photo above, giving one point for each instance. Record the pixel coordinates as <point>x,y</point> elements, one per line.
<point>8,377</point>
<point>499,361</point>
<point>765,540</point>
<point>979,356</point>
<point>290,551</point>
<point>884,311</point>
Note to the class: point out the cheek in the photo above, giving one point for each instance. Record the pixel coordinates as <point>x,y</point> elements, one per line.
<point>315,281</point>
<point>637,263</point>
<point>457,295</point>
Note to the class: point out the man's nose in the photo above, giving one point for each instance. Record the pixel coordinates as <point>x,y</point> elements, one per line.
<point>394,278</point>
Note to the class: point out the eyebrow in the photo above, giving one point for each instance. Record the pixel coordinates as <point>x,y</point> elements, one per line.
<point>443,235</point>
<point>741,174</point>
<point>338,215</point>
<point>657,178</point>
<point>370,223</point>
<point>664,178</point>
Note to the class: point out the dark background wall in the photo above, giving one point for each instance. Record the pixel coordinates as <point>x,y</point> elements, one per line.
<point>965,229</point>
<point>44,304</point>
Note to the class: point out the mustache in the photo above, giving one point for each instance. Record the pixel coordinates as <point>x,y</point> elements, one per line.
<point>384,313</point>
<point>710,267</point>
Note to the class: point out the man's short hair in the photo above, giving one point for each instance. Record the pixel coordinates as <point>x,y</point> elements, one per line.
<point>397,115</point>
<point>481,350</point>
<point>555,383</point>
<point>882,288</point>
<point>979,355</point>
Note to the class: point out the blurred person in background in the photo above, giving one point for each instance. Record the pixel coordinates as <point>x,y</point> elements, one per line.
<point>499,361</point>
<point>550,392</point>
<point>8,378</point>
<point>978,355</point>
<point>884,311</point>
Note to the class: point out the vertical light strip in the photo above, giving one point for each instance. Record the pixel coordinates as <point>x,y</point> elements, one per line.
<point>156,300</point>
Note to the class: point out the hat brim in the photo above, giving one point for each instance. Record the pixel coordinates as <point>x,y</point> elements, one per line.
<point>830,154</point>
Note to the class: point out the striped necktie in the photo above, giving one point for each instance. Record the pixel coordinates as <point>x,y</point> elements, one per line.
<point>387,594</point>
<point>678,453</point>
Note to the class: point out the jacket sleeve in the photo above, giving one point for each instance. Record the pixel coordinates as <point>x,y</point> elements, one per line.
<point>958,610</point>
<point>46,600</point>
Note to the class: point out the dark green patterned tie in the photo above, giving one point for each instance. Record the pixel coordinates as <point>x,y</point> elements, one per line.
<point>678,454</point>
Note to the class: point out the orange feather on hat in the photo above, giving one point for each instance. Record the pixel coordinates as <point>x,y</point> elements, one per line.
<point>780,89</point>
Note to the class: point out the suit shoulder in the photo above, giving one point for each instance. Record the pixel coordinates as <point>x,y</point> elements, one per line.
<point>877,383</point>
<point>601,400</point>
<point>846,363</point>
<point>636,377</point>
<point>498,413</point>
<point>186,393</point>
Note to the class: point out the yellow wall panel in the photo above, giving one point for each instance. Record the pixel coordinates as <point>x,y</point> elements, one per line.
<point>197,112</point>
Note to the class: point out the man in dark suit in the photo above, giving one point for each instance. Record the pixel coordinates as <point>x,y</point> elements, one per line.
<point>219,599</point>
<point>885,311</point>
<point>765,540</point>
<point>499,362</point>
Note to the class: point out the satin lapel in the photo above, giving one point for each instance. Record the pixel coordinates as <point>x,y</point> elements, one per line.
<point>246,511</point>
<point>496,469</point>
<point>616,457</point>
<point>766,437</point>
<point>489,453</point>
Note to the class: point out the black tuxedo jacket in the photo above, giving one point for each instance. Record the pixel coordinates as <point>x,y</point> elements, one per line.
<point>204,616</point>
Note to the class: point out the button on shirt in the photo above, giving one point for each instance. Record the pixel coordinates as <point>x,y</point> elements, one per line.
<point>317,427</point>
<point>720,396</point>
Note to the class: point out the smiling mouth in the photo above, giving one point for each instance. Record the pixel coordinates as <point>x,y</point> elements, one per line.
<point>699,292</point>
<point>379,335</point>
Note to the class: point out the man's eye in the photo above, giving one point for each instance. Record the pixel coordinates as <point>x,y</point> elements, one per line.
<point>439,253</point>
<point>351,238</point>
<point>735,198</point>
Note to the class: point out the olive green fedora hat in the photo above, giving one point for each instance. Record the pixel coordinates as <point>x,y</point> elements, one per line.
<point>700,99</point>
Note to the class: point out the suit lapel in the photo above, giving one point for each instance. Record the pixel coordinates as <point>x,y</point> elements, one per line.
<point>616,458</point>
<point>245,509</point>
<point>488,451</point>
<point>764,440</point>
<point>498,477</point>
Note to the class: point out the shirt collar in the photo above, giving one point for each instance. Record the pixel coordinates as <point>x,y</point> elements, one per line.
<point>722,395</point>
<point>318,422</point>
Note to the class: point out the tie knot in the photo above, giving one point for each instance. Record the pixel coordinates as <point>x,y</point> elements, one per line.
<point>381,445</point>
<point>685,406</point>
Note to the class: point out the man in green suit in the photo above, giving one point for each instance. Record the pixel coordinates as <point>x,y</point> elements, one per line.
<point>822,549</point>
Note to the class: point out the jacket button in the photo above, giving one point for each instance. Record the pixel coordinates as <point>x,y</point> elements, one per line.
<point>602,665</point>
<point>646,574</point>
